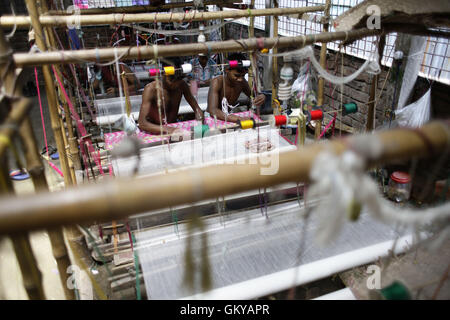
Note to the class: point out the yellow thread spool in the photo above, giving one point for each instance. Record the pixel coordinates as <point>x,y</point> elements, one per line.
<point>169,71</point>
<point>265,50</point>
<point>247,124</point>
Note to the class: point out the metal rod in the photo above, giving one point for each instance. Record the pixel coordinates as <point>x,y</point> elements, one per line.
<point>121,198</point>
<point>105,19</point>
<point>149,52</point>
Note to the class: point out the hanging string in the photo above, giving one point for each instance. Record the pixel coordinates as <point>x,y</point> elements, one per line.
<point>82,130</point>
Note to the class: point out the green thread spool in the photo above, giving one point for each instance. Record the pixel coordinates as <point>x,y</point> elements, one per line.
<point>354,210</point>
<point>396,291</point>
<point>200,130</point>
<point>350,108</point>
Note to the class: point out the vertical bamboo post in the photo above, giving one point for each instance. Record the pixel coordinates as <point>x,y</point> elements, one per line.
<point>32,278</point>
<point>69,140</point>
<point>275,59</point>
<point>323,61</point>
<point>370,125</point>
<point>37,174</point>
<point>51,92</point>
<point>251,34</point>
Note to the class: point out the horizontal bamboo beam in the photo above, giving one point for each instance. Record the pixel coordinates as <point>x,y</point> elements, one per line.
<point>146,8</point>
<point>115,18</point>
<point>120,198</point>
<point>150,52</point>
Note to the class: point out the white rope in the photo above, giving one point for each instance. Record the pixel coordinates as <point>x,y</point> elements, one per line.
<point>371,65</point>
<point>226,105</point>
<point>341,181</point>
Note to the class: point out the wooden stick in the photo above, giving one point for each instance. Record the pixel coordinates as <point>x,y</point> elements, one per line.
<point>275,60</point>
<point>51,93</point>
<point>14,120</point>
<point>105,19</point>
<point>370,125</point>
<point>148,52</point>
<point>70,139</point>
<point>120,198</point>
<point>146,8</point>
<point>323,62</point>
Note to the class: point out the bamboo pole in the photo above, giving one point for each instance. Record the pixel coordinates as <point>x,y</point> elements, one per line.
<point>18,118</point>
<point>14,120</point>
<point>37,173</point>
<point>120,198</point>
<point>51,93</point>
<point>251,34</point>
<point>104,19</point>
<point>323,62</point>
<point>146,8</point>
<point>70,141</point>
<point>370,125</point>
<point>148,52</point>
<point>32,278</point>
<point>275,60</point>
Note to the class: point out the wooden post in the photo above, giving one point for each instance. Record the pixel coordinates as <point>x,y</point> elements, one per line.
<point>275,60</point>
<point>323,62</point>
<point>370,125</point>
<point>251,34</point>
<point>70,141</point>
<point>37,173</point>
<point>32,278</point>
<point>51,93</point>
<point>102,19</point>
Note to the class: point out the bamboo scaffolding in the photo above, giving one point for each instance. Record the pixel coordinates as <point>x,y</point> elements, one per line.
<point>18,118</point>
<point>14,120</point>
<point>31,275</point>
<point>323,62</point>
<point>146,8</point>
<point>275,60</point>
<point>113,200</point>
<point>150,52</point>
<point>105,19</point>
<point>51,93</point>
<point>69,139</point>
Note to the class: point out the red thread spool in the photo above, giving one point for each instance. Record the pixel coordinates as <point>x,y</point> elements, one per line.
<point>233,63</point>
<point>154,72</point>
<point>316,115</point>
<point>280,120</point>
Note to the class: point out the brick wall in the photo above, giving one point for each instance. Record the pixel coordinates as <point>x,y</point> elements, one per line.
<point>359,89</point>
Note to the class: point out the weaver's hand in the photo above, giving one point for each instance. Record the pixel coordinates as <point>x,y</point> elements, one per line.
<point>259,100</point>
<point>111,90</point>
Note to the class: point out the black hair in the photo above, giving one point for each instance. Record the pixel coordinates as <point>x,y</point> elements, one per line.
<point>172,61</point>
<point>239,57</point>
<point>236,56</point>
